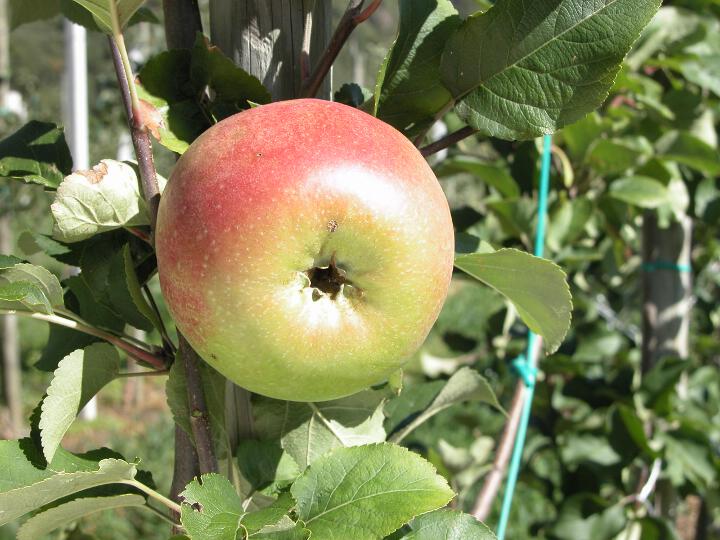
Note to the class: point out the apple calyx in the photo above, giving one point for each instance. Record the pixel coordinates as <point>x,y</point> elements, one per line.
<point>330,280</point>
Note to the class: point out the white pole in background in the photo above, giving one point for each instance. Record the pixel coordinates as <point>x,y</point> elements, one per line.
<point>76,120</point>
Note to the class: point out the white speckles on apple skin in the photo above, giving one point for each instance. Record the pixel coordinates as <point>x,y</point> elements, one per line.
<point>254,320</point>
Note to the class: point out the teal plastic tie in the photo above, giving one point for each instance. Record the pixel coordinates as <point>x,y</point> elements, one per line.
<point>527,367</point>
<point>666,265</point>
<point>524,370</point>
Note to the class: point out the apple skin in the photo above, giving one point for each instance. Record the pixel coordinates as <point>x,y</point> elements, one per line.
<point>265,196</point>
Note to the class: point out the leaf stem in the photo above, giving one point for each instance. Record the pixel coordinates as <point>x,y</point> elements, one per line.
<point>175,507</point>
<point>135,352</point>
<point>353,16</point>
<point>447,140</point>
<point>162,516</point>
<point>130,374</point>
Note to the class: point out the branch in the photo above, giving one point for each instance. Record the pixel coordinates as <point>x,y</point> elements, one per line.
<point>447,140</point>
<point>199,417</point>
<point>138,131</point>
<point>185,467</point>
<point>353,16</point>
<point>135,352</point>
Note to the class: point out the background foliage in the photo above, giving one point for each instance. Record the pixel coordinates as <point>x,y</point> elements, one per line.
<point>597,424</point>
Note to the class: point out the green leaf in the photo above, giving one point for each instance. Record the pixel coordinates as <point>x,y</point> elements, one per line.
<point>310,430</point>
<point>518,72</point>
<point>27,287</point>
<point>408,89</point>
<point>36,153</point>
<point>210,67</point>
<point>688,460</point>
<point>133,287</point>
<point>367,492</point>
<point>270,515</point>
<point>31,242</point>
<point>101,10</point>
<point>102,199</point>
<point>580,448</point>
<point>266,465</point>
<point>536,287</point>
<point>172,90</point>
<point>689,150</point>
<point>64,514</point>
<point>448,525</point>
<point>588,517</point>
<point>211,509</point>
<point>466,384</point>
<point>21,500</point>
<point>494,175</point>
<point>79,376</point>
<point>568,222</point>
<point>639,191</point>
<point>612,156</point>
<point>22,11</point>
<point>352,94</point>
<point>627,430</point>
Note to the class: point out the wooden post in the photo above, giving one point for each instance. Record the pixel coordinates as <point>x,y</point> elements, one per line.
<point>264,37</point>
<point>11,368</point>
<point>667,302</point>
<point>667,289</point>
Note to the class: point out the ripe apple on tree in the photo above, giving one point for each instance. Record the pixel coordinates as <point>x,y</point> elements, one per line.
<point>305,249</point>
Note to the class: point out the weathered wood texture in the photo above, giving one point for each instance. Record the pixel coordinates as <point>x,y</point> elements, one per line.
<point>264,37</point>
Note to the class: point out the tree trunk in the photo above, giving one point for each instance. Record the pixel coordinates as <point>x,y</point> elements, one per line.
<point>264,37</point>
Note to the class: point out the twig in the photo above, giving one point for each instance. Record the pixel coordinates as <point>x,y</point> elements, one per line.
<point>135,352</point>
<point>494,478</point>
<point>353,16</point>
<point>199,417</point>
<point>138,131</point>
<point>447,140</point>
<point>142,235</point>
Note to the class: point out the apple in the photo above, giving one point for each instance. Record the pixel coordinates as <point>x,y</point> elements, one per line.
<point>304,249</point>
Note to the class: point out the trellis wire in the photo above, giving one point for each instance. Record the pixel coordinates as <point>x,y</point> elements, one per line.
<point>526,365</point>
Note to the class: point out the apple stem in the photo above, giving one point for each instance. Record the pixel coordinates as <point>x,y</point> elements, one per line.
<point>199,417</point>
<point>447,140</point>
<point>353,16</point>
